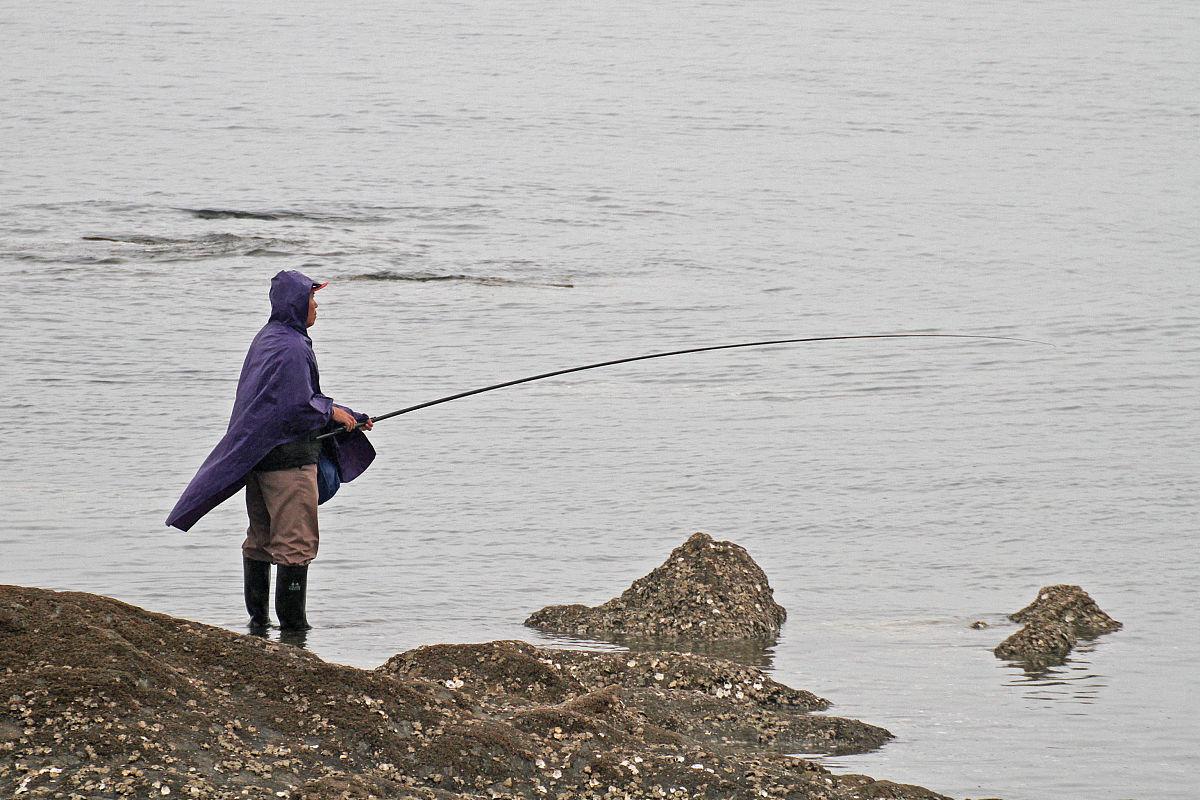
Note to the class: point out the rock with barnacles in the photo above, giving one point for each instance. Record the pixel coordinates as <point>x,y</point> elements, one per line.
<point>1059,617</point>
<point>622,697</point>
<point>102,699</point>
<point>705,590</point>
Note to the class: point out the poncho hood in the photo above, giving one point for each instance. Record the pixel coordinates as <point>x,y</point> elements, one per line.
<point>290,293</point>
<point>278,400</point>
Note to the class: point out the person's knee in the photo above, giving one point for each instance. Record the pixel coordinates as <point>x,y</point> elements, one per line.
<point>293,553</point>
<point>256,552</point>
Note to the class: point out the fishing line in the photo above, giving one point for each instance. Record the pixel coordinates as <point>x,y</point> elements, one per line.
<point>597,365</point>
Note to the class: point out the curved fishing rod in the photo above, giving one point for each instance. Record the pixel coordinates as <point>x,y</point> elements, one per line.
<point>597,365</point>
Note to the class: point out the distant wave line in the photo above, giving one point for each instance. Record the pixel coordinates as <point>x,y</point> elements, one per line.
<point>432,277</point>
<point>209,238</point>
<point>282,214</point>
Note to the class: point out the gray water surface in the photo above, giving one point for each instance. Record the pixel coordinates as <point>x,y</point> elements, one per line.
<point>500,189</point>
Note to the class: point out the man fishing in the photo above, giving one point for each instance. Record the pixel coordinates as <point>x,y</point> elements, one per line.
<point>291,446</point>
<point>271,449</point>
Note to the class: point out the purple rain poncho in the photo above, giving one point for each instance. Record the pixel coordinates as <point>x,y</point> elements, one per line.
<point>278,400</point>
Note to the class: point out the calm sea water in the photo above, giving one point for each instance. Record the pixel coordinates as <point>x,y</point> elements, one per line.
<point>499,189</point>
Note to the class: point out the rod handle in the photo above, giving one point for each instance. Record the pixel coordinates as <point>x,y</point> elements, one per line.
<point>340,429</point>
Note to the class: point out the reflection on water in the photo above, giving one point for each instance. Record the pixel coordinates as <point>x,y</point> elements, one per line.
<point>294,638</point>
<point>272,633</point>
<point>759,653</point>
<point>1073,681</point>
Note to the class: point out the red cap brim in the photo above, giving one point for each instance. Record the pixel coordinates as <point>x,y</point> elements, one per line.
<point>319,286</point>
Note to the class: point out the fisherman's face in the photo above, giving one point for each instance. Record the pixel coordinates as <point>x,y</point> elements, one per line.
<point>312,309</point>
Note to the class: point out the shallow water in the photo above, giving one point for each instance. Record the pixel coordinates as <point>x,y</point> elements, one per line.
<point>496,191</point>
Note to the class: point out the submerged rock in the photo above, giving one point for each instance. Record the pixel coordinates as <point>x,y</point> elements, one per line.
<point>704,590</point>
<point>102,699</point>
<point>1060,616</point>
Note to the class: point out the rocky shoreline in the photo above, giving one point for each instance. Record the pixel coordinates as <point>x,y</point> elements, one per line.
<point>104,699</point>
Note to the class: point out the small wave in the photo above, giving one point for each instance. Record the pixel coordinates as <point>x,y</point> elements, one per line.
<point>431,277</point>
<point>42,258</point>
<point>147,240</point>
<point>213,245</point>
<point>229,213</point>
<point>437,213</point>
<point>452,226</point>
<point>281,214</point>
<point>92,205</point>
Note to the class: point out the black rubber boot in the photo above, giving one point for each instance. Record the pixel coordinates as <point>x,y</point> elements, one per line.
<point>256,575</point>
<point>291,584</point>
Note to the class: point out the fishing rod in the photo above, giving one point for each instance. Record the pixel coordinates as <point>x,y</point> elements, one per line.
<point>597,365</point>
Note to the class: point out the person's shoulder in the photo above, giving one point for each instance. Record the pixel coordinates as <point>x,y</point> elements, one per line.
<point>274,330</point>
<point>281,340</point>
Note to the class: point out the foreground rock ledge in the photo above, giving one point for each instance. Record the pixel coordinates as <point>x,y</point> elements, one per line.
<point>1054,622</point>
<point>705,589</point>
<point>102,699</point>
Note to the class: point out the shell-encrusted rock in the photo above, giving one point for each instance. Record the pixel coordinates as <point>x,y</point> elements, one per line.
<point>102,699</point>
<point>1042,644</point>
<point>1070,605</point>
<point>705,590</point>
<point>1060,616</point>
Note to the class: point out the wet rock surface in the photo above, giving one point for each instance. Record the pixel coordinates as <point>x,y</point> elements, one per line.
<point>705,590</point>
<point>669,697</point>
<point>102,699</point>
<point>1053,623</point>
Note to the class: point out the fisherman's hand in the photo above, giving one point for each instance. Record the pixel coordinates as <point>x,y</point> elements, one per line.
<point>370,423</point>
<point>344,418</point>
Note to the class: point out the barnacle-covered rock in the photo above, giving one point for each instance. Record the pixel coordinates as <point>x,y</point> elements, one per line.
<point>658,696</point>
<point>705,590</point>
<point>1060,616</point>
<point>102,699</point>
